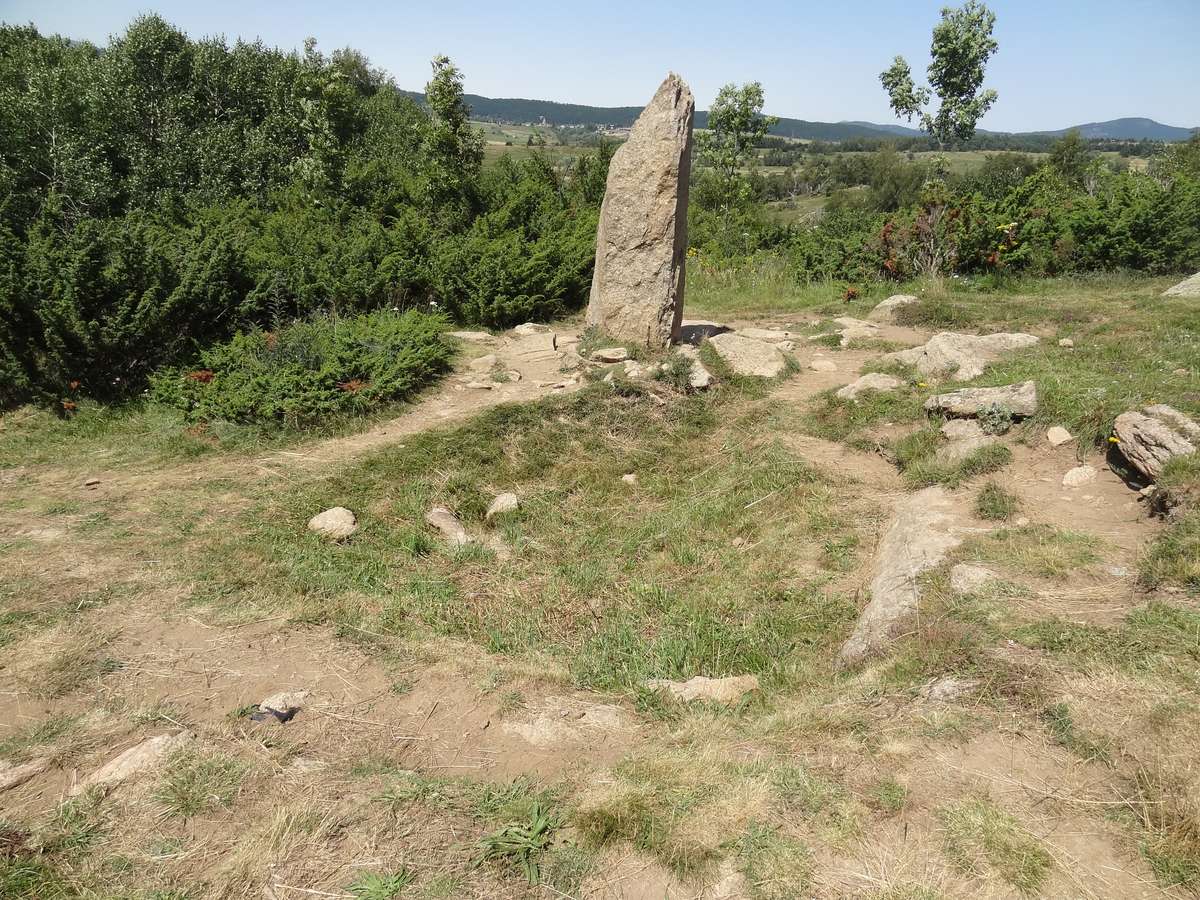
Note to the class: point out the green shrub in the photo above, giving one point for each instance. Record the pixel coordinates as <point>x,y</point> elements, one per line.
<point>310,370</point>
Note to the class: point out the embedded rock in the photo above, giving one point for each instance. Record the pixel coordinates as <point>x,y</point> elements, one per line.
<point>1151,438</point>
<point>968,579</point>
<point>700,379</point>
<point>964,436</point>
<point>285,702</point>
<point>528,328</point>
<point>1018,399</point>
<point>718,690</point>
<point>337,524</point>
<point>139,758</point>
<point>821,364</point>
<point>504,503</point>
<point>872,381</point>
<point>768,335</point>
<point>1189,287</point>
<point>16,774</point>
<point>886,311</point>
<point>923,530</point>
<point>746,356</point>
<point>610,355</point>
<point>641,243</point>
<point>483,363</point>
<point>536,347</point>
<point>475,337</point>
<point>448,524</point>
<point>855,329</point>
<point>1080,475</point>
<point>961,356</point>
<point>948,689</point>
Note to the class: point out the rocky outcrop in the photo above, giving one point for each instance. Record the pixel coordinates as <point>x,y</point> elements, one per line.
<point>961,356</point>
<point>886,311</point>
<point>923,530</point>
<point>336,524</point>
<point>717,690</point>
<point>746,356</point>
<point>1151,438</point>
<point>1189,287</point>
<point>641,244</point>
<point>1017,399</point>
<point>872,381</point>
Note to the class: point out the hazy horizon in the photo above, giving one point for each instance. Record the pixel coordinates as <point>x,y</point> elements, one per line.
<point>1126,59</point>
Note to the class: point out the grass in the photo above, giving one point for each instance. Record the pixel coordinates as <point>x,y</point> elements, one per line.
<point>1039,550</point>
<point>521,844</point>
<point>194,782</point>
<point>979,836</point>
<point>1169,817</point>
<point>36,737</point>
<point>1174,557</point>
<point>381,886</point>
<point>621,585</point>
<point>916,454</point>
<point>775,864</point>
<point>1066,733</point>
<point>850,421</point>
<point>996,504</point>
<point>888,795</point>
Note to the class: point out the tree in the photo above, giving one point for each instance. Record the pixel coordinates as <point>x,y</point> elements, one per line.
<point>735,125</point>
<point>962,45</point>
<point>1070,158</point>
<point>454,148</point>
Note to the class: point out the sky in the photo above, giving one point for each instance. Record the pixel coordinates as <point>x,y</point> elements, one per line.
<point>1060,62</point>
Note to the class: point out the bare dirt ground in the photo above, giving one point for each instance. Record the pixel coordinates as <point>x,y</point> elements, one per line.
<point>123,653</point>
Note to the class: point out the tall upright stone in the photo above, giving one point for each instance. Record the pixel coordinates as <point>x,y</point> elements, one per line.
<point>637,287</point>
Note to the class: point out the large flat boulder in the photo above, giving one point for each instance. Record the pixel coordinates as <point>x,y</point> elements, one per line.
<point>1018,399</point>
<point>872,381</point>
<point>1151,438</point>
<point>1189,287</point>
<point>641,244</point>
<point>886,310</point>
<point>961,356</point>
<point>923,530</point>
<point>746,356</point>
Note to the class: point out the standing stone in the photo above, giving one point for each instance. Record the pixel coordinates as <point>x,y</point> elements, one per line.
<point>637,287</point>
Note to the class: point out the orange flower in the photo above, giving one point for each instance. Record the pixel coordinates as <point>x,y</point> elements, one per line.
<point>353,386</point>
<point>203,376</point>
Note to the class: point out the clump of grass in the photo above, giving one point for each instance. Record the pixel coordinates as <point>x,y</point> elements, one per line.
<point>835,419</point>
<point>776,866</point>
<point>888,795</point>
<point>24,742</point>
<point>1064,732</point>
<point>916,454</point>
<point>1039,550</point>
<point>193,782</point>
<point>1170,819</point>
<point>379,886</point>
<point>1174,556</point>
<point>521,843</point>
<point>995,504</point>
<point>978,835</point>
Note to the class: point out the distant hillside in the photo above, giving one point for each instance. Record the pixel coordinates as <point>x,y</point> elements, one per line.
<point>520,110</point>
<point>1129,130</point>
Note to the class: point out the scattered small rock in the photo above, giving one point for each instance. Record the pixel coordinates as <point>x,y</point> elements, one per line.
<point>1057,436</point>
<point>504,503</point>
<point>630,478</point>
<point>448,524</point>
<point>872,381</point>
<point>610,355</point>
<point>91,482</point>
<point>1066,342</point>
<point>513,375</point>
<point>1078,476</point>
<point>479,385</point>
<point>280,707</point>
<point>337,524</point>
<point>746,356</point>
<point>821,364</point>
<point>139,758</point>
<point>968,579</point>
<point>1017,399</point>
<point>530,328</point>
<point>700,378</point>
<point>718,690</point>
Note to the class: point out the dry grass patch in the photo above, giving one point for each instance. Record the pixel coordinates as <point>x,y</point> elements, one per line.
<point>980,838</point>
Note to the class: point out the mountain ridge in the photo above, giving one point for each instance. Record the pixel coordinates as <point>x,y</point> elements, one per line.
<point>517,109</point>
